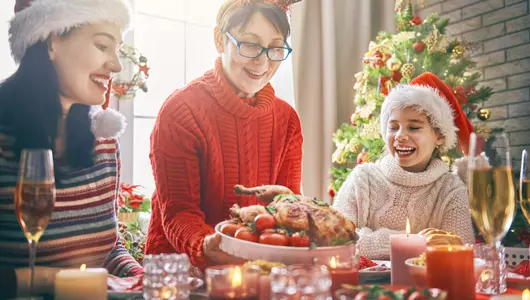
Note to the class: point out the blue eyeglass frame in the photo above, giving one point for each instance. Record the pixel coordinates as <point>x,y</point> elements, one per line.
<point>263,49</point>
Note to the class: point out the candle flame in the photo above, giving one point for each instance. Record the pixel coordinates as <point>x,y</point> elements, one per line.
<point>526,294</point>
<point>333,263</point>
<point>83,267</point>
<point>450,249</point>
<point>407,228</point>
<point>236,277</point>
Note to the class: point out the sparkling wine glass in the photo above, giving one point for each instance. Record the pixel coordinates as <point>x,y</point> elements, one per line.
<point>34,198</point>
<point>524,186</point>
<point>491,194</point>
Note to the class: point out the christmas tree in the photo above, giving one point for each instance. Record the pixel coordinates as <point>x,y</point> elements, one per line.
<point>418,46</point>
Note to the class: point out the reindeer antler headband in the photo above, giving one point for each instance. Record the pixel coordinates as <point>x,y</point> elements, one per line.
<point>285,5</point>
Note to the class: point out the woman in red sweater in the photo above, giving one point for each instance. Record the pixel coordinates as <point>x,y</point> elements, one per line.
<point>222,129</point>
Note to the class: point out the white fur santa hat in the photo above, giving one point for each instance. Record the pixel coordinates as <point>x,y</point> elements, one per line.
<point>430,95</point>
<point>36,20</point>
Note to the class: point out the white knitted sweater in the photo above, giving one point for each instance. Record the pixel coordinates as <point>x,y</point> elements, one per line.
<point>379,197</point>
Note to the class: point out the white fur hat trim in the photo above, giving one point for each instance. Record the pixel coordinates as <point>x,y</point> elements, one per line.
<point>44,17</point>
<point>107,123</point>
<point>427,100</point>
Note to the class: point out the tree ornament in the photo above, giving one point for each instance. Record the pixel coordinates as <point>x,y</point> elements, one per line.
<point>408,70</point>
<point>418,46</point>
<point>393,63</point>
<point>396,76</point>
<point>458,51</point>
<point>354,146</point>
<point>484,114</point>
<point>354,118</point>
<point>436,41</point>
<point>128,88</point>
<point>416,20</point>
<point>331,191</point>
<point>362,158</point>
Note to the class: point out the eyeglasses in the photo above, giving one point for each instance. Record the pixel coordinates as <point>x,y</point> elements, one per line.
<point>253,50</point>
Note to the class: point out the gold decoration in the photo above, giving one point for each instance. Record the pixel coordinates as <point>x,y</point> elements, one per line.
<point>393,63</point>
<point>408,70</point>
<point>484,114</point>
<point>436,41</point>
<point>458,51</point>
<point>402,4</point>
<point>339,154</point>
<point>354,146</point>
<point>483,130</point>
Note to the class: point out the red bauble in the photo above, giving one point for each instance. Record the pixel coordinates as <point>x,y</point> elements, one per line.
<point>362,157</point>
<point>383,79</point>
<point>416,20</point>
<point>418,46</point>
<point>396,76</point>
<point>331,192</point>
<point>384,91</point>
<point>460,95</point>
<point>378,54</point>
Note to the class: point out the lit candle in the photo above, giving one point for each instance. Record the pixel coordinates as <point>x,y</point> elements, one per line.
<point>403,247</point>
<point>342,272</point>
<point>81,284</point>
<point>232,282</point>
<point>451,268</point>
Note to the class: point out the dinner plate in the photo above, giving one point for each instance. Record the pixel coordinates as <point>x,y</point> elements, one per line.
<point>375,273</point>
<point>195,283</point>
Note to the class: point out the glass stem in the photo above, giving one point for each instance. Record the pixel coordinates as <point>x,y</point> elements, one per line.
<point>32,254</point>
<point>497,267</point>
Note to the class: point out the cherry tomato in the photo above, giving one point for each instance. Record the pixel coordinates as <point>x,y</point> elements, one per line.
<point>299,240</point>
<point>417,295</point>
<point>264,221</point>
<point>361,296</point>
<point>230,228</point>
<point>245,233</point>
<point>274,238</point>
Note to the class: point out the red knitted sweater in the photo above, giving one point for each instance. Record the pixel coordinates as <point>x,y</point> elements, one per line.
<point>206,140</point>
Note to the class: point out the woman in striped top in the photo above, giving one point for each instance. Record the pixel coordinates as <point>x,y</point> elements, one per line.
<point>67,51</point>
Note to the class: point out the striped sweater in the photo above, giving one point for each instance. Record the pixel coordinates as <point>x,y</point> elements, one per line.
<point>83,227</point>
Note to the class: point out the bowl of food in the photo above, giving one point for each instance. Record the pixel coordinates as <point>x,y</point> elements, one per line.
<point>292,229</point>
<point>349,292</point>
<point>418,269</point>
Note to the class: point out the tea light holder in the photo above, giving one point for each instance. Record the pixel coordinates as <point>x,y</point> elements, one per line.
<point>232,282</point>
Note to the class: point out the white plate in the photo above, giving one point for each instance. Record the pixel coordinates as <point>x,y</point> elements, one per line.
<point>372,273</point>
<point>287,255</point>
<point>195,283</point>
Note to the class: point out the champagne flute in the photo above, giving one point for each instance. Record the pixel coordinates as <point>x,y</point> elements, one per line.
<point>34,198</point>
<point>491,193</point>
<point>524,186</point>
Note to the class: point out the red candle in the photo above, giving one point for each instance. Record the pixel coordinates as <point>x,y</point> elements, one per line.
<point>342,272</point>
<point>451,268</point>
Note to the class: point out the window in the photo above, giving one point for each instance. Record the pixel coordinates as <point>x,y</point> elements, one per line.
<point>177,38</point>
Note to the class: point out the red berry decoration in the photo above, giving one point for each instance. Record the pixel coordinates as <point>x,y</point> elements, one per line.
<point>396,76</point>
<point>362,158</point>
<point>416,20</point>
<point>331,192</point>
<point>419,46</point>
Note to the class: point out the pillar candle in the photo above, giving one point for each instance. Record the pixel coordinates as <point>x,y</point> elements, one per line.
<point>81,284</point>
<point>403,247</point>
<point>451,268</point>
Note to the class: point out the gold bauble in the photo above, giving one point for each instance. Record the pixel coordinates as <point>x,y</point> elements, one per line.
<point>354,146</point>
<point>458,50</point>
<point>408,70</point>
<point>393,63</point>
<point>484,114</point>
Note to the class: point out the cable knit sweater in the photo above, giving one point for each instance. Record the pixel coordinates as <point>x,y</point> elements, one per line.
<point>206,140</point>
<point>379,197</point>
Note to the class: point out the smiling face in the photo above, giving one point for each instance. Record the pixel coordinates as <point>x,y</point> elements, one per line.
<point>411,139</point>
<point>85,60</point>
<point>249,75</point>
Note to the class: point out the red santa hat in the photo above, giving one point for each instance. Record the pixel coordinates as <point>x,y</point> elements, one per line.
<point>36,20</point>
<point>430,95</point>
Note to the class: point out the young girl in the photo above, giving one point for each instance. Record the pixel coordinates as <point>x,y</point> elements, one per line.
<point>409,182</point>
<point>67,52</point>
